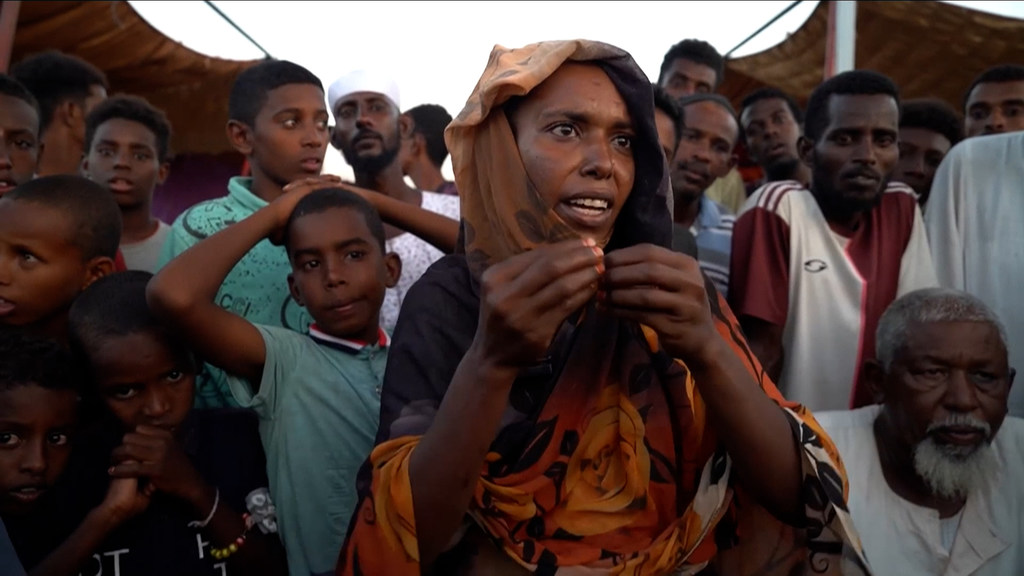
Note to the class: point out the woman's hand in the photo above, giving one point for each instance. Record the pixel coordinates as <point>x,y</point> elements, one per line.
<point>664,290</point>
<point>526,298</point>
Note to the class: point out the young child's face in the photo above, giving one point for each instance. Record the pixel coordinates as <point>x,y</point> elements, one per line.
<point>339,273</point>
<point>143,380</point>
<point>35,424</point>
<point>41,267</point>
<point>290,134</point>
<point>19,143</point>
<point>123,158</point>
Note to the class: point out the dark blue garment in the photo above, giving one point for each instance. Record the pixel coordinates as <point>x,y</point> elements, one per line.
<point>9,563</point>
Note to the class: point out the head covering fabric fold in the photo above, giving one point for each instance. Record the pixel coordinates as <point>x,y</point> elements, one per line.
<point>606,463</point>
<point>499,219</point>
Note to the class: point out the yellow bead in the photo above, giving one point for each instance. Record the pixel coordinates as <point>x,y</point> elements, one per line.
<point>232,548</point>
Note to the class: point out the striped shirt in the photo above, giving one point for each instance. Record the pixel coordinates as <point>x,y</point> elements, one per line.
<point>713,231</point>
<point>827,291</point>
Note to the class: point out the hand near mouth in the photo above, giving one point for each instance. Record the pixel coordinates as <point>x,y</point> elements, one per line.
<point>154,454</point>
<point>664,290</point>
<point>526,298</point>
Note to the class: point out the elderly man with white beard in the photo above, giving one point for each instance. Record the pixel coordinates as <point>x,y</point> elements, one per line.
<point>936,471</point>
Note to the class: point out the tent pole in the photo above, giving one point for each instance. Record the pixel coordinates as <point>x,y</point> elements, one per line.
<point>762,28</point>
<point>8,25</point>
<point>841,37</point>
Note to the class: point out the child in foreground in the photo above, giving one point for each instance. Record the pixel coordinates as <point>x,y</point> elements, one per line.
<point>185,491</point>
<point>317,395</point>
<point>58,234</point>
<point>38,414</point>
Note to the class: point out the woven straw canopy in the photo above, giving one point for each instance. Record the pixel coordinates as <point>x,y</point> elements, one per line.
<point>190,87</point>
<point>928,48</point>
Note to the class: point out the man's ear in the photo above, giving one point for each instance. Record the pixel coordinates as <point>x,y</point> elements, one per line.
<point>163,172</point>
<point>240,136</point>
<point>392,269</point>
<point>405,125</point>
<point>873,376</point>
<point>805,147</point>
<point>1010,377</point>
<point>335,138</point>
<point>97,268</point>
<point>733,160</point>
<point>69,112</point>
<point>293,289</point>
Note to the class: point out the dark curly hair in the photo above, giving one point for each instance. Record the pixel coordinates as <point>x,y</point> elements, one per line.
<point>934,115</point>
<point>31,361</point>
<point>135,109</point>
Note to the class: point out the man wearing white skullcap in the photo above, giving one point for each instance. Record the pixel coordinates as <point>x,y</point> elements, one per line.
<point>369,128</point>
<point>364,81</point>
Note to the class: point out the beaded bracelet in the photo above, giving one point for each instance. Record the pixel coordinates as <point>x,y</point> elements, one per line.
<point>230,549</point>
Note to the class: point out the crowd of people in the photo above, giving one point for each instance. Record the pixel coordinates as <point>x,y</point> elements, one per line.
<point>597,351</point>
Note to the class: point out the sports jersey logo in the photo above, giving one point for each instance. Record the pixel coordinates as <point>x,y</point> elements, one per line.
<point>815,265</point>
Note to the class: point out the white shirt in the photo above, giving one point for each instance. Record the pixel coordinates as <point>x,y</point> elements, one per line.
<point>145,254</point>
<point>904,539</point>
<point>975,224</point>
<point>417,255</point>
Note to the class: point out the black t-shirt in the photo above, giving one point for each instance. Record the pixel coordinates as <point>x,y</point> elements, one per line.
<point>223,445</point>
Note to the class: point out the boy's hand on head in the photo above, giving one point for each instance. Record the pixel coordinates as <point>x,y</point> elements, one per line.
<point>293,192</point>
<point>664,290</point>
<point>125,499</point>
<point>365,193</point>
<point>525,299</point>
<point>154,454</point>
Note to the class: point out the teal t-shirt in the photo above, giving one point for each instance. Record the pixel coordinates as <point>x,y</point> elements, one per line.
<point>257,287</point>
<point>318,405</point>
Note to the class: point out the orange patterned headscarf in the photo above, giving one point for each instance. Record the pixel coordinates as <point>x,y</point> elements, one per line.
<point>502,212</point>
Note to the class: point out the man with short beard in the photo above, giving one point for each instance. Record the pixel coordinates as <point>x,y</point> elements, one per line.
<point>368,130</point>
<point>708,135</point>
<point>813,269</point>
<point>936,470</point>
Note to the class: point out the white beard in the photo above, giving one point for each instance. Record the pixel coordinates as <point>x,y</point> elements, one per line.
<point>954,471</point>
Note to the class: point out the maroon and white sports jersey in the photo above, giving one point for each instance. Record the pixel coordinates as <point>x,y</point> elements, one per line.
<point>789,268</point>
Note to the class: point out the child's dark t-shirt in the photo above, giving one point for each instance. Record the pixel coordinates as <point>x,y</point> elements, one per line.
<point>223,445</point>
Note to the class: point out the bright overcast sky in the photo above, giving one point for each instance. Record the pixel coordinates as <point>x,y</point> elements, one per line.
<point>437,50</point>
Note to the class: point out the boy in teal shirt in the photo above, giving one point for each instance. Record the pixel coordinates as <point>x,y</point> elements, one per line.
<point>317,395</point>
<point>279,122</point>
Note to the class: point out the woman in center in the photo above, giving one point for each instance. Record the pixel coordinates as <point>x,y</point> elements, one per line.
<point>567,395</point>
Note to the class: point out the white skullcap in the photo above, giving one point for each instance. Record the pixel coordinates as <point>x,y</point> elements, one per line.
<point>363,81</point>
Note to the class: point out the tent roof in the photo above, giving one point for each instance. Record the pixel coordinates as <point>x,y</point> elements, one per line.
<point>928,48</point>
<point>190,87</point>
